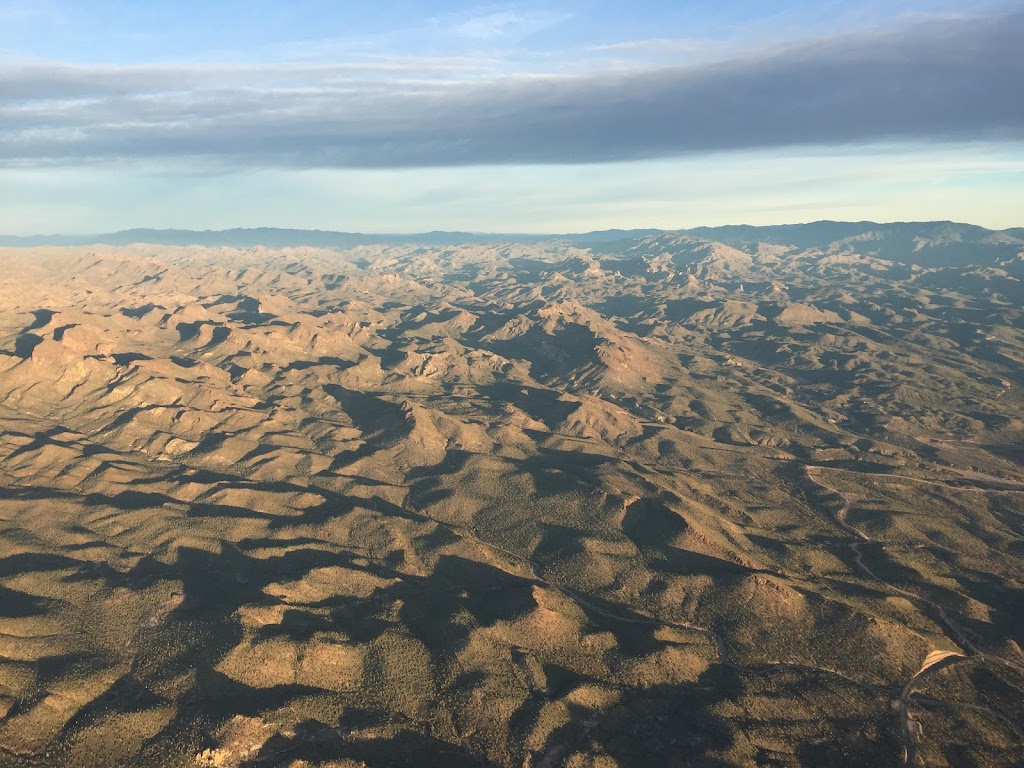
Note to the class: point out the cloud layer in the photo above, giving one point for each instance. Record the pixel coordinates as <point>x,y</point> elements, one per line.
<point>949,79</point>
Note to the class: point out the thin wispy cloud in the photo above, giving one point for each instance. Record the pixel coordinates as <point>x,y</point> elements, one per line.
<point>500,25</point>
<point>939,79</point>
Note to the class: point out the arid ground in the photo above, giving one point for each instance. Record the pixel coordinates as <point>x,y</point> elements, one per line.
<point>738,497</point>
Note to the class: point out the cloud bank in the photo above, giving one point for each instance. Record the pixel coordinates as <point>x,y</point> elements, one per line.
<point>952,79</point>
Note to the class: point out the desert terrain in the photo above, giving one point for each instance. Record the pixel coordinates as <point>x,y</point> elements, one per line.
<point>723,497</point>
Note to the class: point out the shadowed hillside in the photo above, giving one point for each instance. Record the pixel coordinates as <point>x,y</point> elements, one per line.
<point>725,497</point>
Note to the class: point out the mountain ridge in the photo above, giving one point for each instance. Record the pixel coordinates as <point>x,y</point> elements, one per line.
<point>797,235</point>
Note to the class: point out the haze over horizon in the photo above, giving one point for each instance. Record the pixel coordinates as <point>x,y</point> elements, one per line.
<point>507,117</point>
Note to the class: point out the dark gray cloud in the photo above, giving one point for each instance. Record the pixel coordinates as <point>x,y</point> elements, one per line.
<point>949,79</point>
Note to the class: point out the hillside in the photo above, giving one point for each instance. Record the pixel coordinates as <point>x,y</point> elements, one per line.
<point>717,497</point>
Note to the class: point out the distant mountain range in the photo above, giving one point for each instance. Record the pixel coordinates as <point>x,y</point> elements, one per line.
<point>947,243</point>
<point>272,237</point>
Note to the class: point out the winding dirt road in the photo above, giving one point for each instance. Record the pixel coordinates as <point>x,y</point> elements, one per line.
<point>936,660</point>
<point>962,636</point>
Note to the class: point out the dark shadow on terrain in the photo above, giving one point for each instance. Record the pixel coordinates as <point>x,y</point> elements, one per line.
<point>557,543</point>
<point>454,461</point>
<point>138,312</point>
<point>776,548</point>
<point>886,567</point>
<point>19,605</point>
<point>318,743</point>
<point>429,604</point>
<point>1011,452</point>
<point>686,562</point>
<point>852,750</point>
<point>55,669</point>
<point>390,356</point>
<point>189,331</point>
<point>649,522</point>
<point>334,504</point>
<point>58,333</point>
<point>1004,599</point>
<point>542,405</point>
<point>663,725</point>
<point>622,306</point>
<point>331,362</point>
<point>219,334</point>
<point>679,310</point>
<point>25,343</point>
<point>126,696</point>
<point>570,348</point>
<point>39,439</point>
<point>382,423</point>
<point>247,310</point>
<point>127,358</point>
<point>561,680</point>
<point>32,562</point>
<point>556,470</point>
<point>491,594</point>
<point>42,319</point>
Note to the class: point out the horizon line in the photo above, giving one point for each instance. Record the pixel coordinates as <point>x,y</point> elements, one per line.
<point>499,233</point>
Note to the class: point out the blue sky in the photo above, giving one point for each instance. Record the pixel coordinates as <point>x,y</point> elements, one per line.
<point>565,116</point>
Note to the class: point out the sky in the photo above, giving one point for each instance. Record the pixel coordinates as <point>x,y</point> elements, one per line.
<point>566,116</point>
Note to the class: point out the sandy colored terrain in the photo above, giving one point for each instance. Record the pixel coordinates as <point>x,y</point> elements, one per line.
<point>672,502</point>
